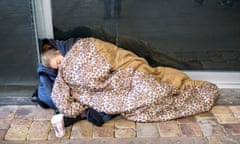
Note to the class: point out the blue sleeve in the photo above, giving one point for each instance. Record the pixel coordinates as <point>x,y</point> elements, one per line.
<point>44,91</point>
<point>63,46</point>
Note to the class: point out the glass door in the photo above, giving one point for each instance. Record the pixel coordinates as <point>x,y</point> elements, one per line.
<point>18,57</point>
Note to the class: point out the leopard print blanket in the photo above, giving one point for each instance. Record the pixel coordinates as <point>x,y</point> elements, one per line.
<point>109,79</point>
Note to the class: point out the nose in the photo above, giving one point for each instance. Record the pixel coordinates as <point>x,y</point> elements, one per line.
<point>59,61</point>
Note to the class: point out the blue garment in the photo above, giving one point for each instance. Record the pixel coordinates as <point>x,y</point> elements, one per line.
<point>47,77</point>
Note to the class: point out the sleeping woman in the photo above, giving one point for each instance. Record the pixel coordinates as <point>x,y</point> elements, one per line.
<point>52,55</point>
<point>98,74</point>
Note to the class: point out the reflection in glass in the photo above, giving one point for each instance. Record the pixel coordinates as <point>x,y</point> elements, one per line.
<point>112,9</point>
<point>167,33</point>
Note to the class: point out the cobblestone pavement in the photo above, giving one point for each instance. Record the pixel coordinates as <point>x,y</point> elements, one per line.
<point>31,124</point>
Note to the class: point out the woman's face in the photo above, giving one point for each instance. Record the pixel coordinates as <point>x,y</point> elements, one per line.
<point>56,61</point>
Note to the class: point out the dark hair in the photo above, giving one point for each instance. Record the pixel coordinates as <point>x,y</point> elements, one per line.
<point>46,46</point>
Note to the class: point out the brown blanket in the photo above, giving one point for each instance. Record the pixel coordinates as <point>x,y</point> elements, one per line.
<point>109,79</point>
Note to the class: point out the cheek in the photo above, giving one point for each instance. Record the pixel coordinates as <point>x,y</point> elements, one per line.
<point>53,64</point>
<point>61,58</point>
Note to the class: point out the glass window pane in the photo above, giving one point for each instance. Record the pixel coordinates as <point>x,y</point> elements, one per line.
<point>182,34</point>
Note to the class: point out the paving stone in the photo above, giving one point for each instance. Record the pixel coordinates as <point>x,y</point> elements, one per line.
<point>17,133</point>
<point>235,110</point>
<point>125,133</point>
<point>173,140</point>
<point>230,140</point>
<point>226,118</point>
<point>2,134</point>
<point>210,127</point>
<point>5,123</point>
<point>190,129</point>
<point>235,138</point>
<point>221,110</point>
<point>229,97</point>
<point>205,115</point>
<point>39,130</point>
<point>43,114</point>
<point>82,129</point>
<point>7,112</point>
<point>123,123</point>
<point>169,129</point>
<point>190,119</point>
<point>147,130</point>
<point>224,140</point>
<point>25,112</point>
<point>67,135</point>
<point>25,122</point>
<point>103,132</point>
<point>214,140</point>
<point>232,129</point>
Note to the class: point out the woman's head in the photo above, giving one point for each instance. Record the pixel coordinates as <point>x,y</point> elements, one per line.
<point>51,57</point>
